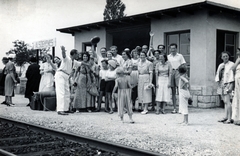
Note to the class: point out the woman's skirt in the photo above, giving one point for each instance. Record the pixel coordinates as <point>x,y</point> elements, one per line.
<point>163,92</point>
<point>82,99</point>
<point>184,95</point>
<point>124,101</point>
<point>134,78</point>
<point>144,95</point>
<point>47,82</point>
<point>9,85</point>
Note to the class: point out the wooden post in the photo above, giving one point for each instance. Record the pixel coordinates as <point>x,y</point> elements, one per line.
<point>53,54</point>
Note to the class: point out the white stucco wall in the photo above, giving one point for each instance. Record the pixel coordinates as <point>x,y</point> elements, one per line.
<point>196,24</point>
<point>203,40</point>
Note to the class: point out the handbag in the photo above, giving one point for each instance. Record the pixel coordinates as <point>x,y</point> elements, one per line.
<point>92,89</point>
<point>17,78</point>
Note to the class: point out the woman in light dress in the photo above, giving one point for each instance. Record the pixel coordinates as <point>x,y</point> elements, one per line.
<point>145,71</point>
<point>163,71</point>
<point>10,80</point>
<point>236,98</point>
<point>47,70</point>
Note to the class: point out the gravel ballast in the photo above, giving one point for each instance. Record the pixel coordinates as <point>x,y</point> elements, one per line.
<point>159,133</point>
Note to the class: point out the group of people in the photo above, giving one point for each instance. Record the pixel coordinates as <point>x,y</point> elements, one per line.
<point>145,75</point>
<point>228,79</point>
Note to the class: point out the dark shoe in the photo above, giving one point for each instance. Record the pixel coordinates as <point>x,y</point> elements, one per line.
<point>97,110</point>
<point>227,122</point>
<point>222,120</point>
<point>111,112</point>
<point>152,109</point>
<point>62,113</point>
<point>69,112</point>
<point>4,102</point>
<point>28,105</point>
<point>162,111</point>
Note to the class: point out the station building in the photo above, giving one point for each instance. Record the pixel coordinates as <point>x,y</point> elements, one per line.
<point>201,30</point>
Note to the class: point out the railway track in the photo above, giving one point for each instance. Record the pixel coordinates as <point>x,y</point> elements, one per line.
<point>24,139</point>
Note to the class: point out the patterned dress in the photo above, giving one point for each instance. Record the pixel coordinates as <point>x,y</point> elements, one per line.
<point>163,92</point>
<point>144,70</point>
<point>124,96</point>
<point>82,99</point>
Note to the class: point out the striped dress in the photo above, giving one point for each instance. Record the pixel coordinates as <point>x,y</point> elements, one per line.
<point>124,96</point>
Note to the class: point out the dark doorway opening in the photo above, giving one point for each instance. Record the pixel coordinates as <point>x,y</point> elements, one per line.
<point>226,41</point>
<point>130,37</point>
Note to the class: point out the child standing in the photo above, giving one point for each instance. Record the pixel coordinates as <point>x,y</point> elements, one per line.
<point>124,94</point>
<point>184,93</point>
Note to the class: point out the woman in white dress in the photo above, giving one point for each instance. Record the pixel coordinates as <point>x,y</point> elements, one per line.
<point>236,98</point>
<point>163,71</point>
<point>47,70</point>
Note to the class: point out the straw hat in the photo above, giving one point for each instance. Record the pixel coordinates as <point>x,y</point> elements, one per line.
<point>112,63</point>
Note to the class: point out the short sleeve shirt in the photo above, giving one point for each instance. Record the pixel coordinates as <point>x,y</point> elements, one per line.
<point>176,60</point>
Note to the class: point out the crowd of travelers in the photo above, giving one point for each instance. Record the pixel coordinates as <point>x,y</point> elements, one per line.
<point>133,81</point>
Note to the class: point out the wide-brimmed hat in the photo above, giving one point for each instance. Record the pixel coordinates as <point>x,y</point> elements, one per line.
<point>112,63</point>
<point>11,55</point>
<point>4,59</point>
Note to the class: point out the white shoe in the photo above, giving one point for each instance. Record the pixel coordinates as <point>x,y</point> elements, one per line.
<point>144,112</point>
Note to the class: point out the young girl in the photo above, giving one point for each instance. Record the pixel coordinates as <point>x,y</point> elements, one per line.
<point>184,93</point>
<point>124,94</point>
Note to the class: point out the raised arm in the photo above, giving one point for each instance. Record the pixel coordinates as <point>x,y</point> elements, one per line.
<point>63,51</point>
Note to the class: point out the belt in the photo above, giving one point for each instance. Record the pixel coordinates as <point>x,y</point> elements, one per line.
<point>174,69</point>
<point>64,72</point>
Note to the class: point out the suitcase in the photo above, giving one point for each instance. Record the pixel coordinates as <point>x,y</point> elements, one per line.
<point>49,104</point>
<point>36,103</point>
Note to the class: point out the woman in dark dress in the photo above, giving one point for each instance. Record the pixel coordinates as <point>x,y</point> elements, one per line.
<point>2,80</point>
<point>33,79</point>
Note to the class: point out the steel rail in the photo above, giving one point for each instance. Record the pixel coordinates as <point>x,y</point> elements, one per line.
<point>110,146</point>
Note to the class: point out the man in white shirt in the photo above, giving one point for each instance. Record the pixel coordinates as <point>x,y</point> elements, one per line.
<point>176,60</point>
<point>116,56</point>
<point>62,80</point>
<point>103,56</point>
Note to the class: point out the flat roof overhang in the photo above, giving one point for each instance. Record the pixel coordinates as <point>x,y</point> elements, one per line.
<point>212,7</point>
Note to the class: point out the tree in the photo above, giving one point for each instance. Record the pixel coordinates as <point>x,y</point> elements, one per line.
<point>21,51</point>
<point>114,9</point>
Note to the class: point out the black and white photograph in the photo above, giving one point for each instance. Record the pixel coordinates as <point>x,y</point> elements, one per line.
<point>120,77</point>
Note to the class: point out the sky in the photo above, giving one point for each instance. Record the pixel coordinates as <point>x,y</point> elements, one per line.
<point>36,20</point>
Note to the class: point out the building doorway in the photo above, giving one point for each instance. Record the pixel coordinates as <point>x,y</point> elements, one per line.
<point>226,41</point>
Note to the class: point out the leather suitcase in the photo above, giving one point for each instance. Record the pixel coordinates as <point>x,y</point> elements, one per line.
<point>49,104</point>
<point>36,104</point>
